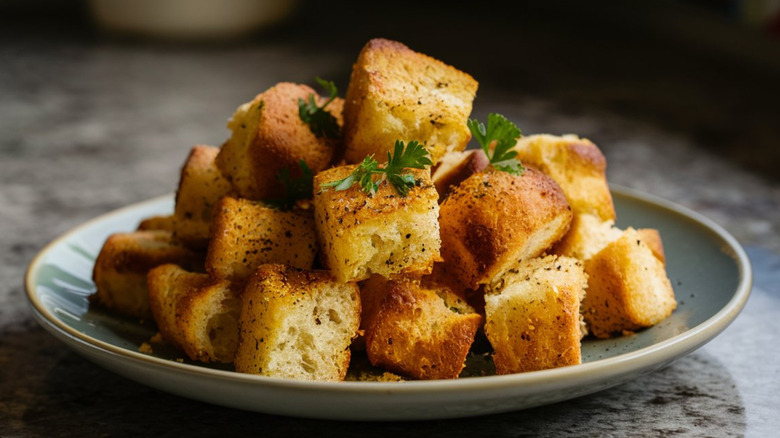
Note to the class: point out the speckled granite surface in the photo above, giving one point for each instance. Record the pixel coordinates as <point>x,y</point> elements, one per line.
<point>88,125</point>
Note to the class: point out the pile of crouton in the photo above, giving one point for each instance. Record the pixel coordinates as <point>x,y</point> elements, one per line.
<point>532,263</point>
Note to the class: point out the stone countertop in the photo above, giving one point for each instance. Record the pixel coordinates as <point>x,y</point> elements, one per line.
<point>89,124</point>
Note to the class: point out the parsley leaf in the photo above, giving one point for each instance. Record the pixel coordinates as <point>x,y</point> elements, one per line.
<point>414,155</point>
<point>295,189</point>
<point>500,135</point>
<point>321,122</point>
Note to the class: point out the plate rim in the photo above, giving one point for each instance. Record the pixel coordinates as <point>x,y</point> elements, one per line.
<point>662,352</point>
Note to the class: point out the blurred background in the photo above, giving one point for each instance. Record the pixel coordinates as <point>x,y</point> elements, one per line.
<point>709,70</point>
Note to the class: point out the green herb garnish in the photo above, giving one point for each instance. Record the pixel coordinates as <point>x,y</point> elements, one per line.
<point>413,156</point>
<point>501,135</point>
<point>295,189</point>
<point>321,122</point>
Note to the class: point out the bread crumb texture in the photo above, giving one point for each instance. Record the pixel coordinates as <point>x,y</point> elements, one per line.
<point>533,315</point>
<point>384,234</point>
<point>297,324</point>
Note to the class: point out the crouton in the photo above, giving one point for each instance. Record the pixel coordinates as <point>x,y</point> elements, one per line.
<point>652,238</point>
<point>156,223</point>
<point>201,186</point>
<point>268,135</point>
<point>587,235</point>
<point>395,93</point>
<point>454,167</point>
<point>577,165</point>
<point>207,318</point>
<point>296,324</point>
<point>385,234</point>
<point>246,234</point>
<point>493,219</point>
<point>415,331</point>
<point>628,288</point>
<point>167,283</point>
<point>533,315</point>
<point>195,313</point>
<point>123,262</point>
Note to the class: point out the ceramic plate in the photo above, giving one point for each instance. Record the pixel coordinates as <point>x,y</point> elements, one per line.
<point>709,270</point>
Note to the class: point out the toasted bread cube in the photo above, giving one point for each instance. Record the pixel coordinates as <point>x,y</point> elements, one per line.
<point>297,324</point>
<point>587,236</point>
<point>628,288</point>
<point>494,219</point>
<point>268,135</point>
<point>201,186</point>
<point>195,313</point>
<point>207,318</point>
<point>123,262</point>
<point>167,284</point>
<point>384,234</point>
<point>246,234</point>
<point>652,238</point>
<point>164,223</point>
<point>395,93</point>
<point>454,167</point>
<point>416,331</point>
<point>577,165</point>
<point>533,315</point>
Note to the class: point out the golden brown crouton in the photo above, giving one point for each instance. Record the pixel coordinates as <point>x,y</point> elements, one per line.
<point>167,284</point>
<point>201,186</point>
<point>195,313</point>
<point>125,259</point>
<point>395,93</point>
<point>385,234</point>
<point>587,235</point>
<point>493,219</point>
<point>268,135</point>
<point>577,165</point>
<point>415,331</point>
<point>533,315</point>
<point>246,234</point>
<point>156,223</point>
<point>297,324</point>
<point>207,318</point>
<point>652,238</point>
<point>454,167</point>
<point>627,287</point>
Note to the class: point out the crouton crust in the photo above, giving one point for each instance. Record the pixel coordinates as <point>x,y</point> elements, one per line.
<point>454,167</point>
<point>195,313</point>
<point>628,288</point>
<point>493,219</point>
<point>201,186</point>
<point>587,236</point>
<point>167,284</point>
<point>396,93</point>
<point>652,238</point>
<point>419,332</point>
<point>577,165</point>
<point>387,233</point>
<point>246,234</point>
<point>207,319</point>
<point>533,315</point>
<point>164,223</point>
<point>268,135</point>
<point>122,265</point>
